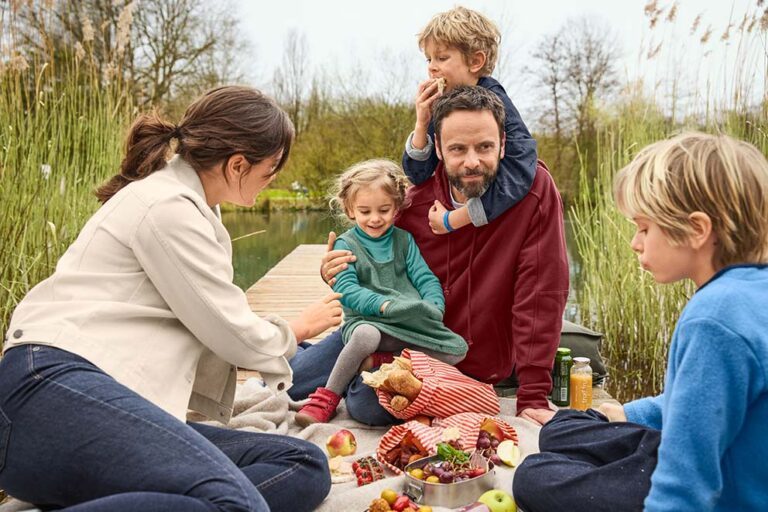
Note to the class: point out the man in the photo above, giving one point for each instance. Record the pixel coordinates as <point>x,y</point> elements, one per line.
<point>505,283</point>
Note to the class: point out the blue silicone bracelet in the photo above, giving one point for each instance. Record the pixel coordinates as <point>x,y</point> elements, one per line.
<point>446,223</point>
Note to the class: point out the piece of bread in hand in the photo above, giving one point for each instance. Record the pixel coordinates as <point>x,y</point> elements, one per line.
<point>441,83</point>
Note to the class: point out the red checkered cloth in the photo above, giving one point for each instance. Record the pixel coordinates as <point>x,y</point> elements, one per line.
<point>445,391</point>
<point>429,436</point>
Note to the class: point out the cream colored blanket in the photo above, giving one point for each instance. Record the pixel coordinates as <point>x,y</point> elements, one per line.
<point>257,409</point>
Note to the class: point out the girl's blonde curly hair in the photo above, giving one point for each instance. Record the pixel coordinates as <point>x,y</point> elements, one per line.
<point>381,173</point>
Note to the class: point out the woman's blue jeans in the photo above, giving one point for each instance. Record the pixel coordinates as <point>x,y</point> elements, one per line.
<point>73,438</point>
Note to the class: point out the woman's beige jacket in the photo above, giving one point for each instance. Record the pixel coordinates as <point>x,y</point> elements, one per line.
<point>145,293</point>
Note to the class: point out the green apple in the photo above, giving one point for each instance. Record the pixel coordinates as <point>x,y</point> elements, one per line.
<point>498,501</point>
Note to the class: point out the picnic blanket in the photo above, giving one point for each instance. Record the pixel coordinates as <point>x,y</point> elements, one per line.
<point>258,409</point>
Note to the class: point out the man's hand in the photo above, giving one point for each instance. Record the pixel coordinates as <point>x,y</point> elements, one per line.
<point>318,317</point>
<point>537,416</point>
<point>612,411</point>
<point>435,217</point>
<point>334,262</point>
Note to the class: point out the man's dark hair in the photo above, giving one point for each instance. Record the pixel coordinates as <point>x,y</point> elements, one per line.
<point>472,98</point>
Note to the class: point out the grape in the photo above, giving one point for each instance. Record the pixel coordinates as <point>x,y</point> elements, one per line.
<point>437,471</point>
<point>484,434</point>
<point>495,459</point>
<point>446,477</point>
<point>484,443</point>
<point>494,442</point>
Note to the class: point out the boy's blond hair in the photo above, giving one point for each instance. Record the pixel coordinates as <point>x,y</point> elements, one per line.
<point>694,172</point>
<point>381,173</point>
<point>468,31</point>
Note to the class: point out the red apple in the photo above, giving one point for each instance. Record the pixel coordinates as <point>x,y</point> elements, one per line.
<point>341,443</point>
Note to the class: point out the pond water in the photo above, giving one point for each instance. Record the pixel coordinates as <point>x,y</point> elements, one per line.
<point>283,231</point>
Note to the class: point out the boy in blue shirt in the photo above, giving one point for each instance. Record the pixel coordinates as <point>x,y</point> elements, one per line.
<point>700,204</point>
<point>461,47</point>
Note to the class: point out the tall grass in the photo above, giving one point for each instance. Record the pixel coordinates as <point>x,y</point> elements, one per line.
<point>616,296</point>
<point>61,129</point>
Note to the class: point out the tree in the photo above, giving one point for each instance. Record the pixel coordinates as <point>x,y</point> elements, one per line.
<point>164,49</point>
<point>576,69</point>
<point>550,72</point>
<point>591,51</point>
<point>291,79</point>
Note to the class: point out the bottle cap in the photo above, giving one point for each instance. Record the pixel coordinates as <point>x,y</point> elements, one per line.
<point>564,351</point>
<point>584,360</point>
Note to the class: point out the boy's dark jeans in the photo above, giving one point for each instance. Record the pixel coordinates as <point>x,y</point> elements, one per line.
<point>73,438</point>
<point>588,464</point>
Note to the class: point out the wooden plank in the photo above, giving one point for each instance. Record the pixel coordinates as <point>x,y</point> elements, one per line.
<point>291,285</point>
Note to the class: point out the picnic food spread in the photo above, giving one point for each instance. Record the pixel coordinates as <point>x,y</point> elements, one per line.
<point>449,458</point>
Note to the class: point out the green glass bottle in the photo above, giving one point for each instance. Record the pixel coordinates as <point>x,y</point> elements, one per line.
<point>561,378</point>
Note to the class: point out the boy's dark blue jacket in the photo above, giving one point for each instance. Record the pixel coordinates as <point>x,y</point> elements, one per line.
<point>516,170</point>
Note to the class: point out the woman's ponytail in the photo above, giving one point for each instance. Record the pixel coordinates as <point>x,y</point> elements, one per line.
<point>146,149</point>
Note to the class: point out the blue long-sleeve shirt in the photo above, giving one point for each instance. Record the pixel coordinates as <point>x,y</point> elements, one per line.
<point>713,414</point>
<point>516,170</point>
<point>367,302</point>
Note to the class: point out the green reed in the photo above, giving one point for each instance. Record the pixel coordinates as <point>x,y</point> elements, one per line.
<point>61,130</point>
<point>616,296</point>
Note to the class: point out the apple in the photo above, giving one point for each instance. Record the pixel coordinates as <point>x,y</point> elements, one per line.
<point>493,429</point>
<point>341,443</point>
<point>498,501</point>
<point>508,452</point>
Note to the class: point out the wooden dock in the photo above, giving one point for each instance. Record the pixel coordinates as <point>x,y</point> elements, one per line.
<point>295,282</point>
<point>288,288</point>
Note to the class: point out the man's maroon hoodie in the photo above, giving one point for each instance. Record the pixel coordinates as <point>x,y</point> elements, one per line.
<point>505,283</point>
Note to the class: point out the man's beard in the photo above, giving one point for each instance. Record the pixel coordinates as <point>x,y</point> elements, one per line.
<point>474,188</point>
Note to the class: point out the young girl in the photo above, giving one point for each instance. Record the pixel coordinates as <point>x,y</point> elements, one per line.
<point>391,299</point>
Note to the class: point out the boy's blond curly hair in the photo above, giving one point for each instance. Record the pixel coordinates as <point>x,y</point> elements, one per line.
<point>695,172</point>
<point>468,31</point>
<point>382,173</point>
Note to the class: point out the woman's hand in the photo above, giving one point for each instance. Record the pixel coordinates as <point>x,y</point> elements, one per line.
<point>612,411</point>
<point>435,217</point>
<point>318,317</point>
<point>334,261</point>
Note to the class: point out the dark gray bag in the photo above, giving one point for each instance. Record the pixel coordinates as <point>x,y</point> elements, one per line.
<point>583,342</point>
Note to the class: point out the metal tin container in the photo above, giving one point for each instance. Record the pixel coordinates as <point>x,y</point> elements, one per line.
<point>452,495</point>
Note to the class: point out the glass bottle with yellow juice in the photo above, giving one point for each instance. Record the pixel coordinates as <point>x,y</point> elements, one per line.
<point>581,384</point>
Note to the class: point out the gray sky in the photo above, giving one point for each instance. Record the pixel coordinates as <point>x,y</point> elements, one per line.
<point>378,39</point>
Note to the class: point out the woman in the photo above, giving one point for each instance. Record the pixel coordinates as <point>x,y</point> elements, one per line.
<point>140,321</point>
